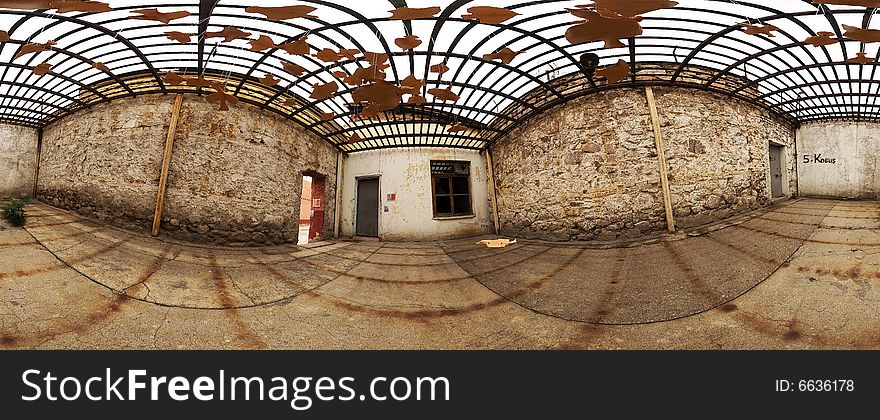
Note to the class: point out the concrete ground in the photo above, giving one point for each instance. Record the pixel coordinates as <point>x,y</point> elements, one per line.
<point>800,275</point>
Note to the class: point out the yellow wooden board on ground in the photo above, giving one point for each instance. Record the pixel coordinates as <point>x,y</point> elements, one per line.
<point>497,243</point>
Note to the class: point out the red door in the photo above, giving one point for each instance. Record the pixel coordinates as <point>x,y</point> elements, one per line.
<point>316,230</point>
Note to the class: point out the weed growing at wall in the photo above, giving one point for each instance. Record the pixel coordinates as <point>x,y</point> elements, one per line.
<point>14,212</point>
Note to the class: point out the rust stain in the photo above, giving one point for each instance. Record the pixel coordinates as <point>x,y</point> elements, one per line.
<point>854,273</point>
<point>346,272</point>
<point>603,306</point>
<point>42,225</point>
<point>590,331</point>
<point>244,332</point>
<point>483,256</point>
<point>489,253</point>
<point>808,240</point>
<point>278,274</point>
<point>102,314</point>
<point>151,268</point>
<point>786,332</point>
<point>815,225</point>
<point>472,276</point>
<point>792,334</point>
<point>827,215</point>
<point>396,264</point>
<point>728,308</point>
<point>789,332</point>
<point>418,315</point>
<point>56,267</point>
<point>423,315</point>
<point>752,254</point>
<point>695,281</point>
<point>8,341</point>
<point>53,239</point>
<point>544,280</point>
<point>115,307</point>
<point>789,222</point>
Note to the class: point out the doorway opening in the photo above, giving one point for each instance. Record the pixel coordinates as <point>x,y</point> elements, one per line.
<point>312,206</point>
<point>367,217</point>
<point>776,175</point>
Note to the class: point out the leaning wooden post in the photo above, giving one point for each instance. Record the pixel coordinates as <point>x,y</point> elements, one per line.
<point>37,163</point>
<point>493,194</point>
<point>339,181</point>
<point>166,164</point>
<point>661,157</point>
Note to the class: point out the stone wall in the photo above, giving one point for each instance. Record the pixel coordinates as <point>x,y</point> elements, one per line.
<point>104,162</point>
<point>235,176</point>
<point>588,169</point>
<point>18,152</point>
<point>839,159</point>
<point>717,151</point>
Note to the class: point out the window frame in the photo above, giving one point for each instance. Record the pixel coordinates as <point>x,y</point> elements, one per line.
<point>449,178</point>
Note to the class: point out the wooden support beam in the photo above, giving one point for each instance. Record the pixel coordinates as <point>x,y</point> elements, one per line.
<point>661,158</point>
<point>166,164</point>
<point>492,193</point>
<point>37,162</point>
<point>339,181</point>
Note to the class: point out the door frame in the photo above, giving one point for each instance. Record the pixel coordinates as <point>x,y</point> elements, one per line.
<point>783,166</point>
<point>314,175</point>
<point>357,188</point>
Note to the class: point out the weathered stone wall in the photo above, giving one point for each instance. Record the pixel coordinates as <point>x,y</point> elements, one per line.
<point>839,159</point>
<point>235,176</point>
<point>588,169</point>
<point>18,152</point>
<point>239,174</point>
<point>104,162</point>
<point>717,151</point>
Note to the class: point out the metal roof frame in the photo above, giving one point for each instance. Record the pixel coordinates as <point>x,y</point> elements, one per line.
<point>698,44</point>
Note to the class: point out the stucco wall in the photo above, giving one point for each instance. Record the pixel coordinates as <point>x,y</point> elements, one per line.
<point>18,152</point>
<point>235,176</point>
<point>588,169</point>
<point>839,159</point>
<point>406,172</point>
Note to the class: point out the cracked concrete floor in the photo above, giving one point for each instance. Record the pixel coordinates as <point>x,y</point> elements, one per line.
<point>799,275</point>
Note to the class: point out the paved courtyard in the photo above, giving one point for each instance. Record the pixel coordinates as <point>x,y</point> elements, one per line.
<point>800,275</point>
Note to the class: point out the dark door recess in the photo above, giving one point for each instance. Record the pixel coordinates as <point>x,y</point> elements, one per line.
<point>776,171</point>
<point>367,207</point>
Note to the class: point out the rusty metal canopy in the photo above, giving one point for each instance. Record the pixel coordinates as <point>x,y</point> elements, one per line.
<point>698,43</point>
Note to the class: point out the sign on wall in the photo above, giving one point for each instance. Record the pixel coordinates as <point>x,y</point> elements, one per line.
<point>819,159</point>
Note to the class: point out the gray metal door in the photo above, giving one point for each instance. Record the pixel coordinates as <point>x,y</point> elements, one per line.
<point>776,171</point>
<point>368,207</point>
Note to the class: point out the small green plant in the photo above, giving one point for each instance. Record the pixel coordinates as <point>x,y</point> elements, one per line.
<point>14,212</point>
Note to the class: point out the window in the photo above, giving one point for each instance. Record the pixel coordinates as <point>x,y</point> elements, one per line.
<point>452,188</point>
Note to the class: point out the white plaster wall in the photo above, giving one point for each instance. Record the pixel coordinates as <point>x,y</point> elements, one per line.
<point>18,155</point>
<point>407,173</point>
<point>855,148</point>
